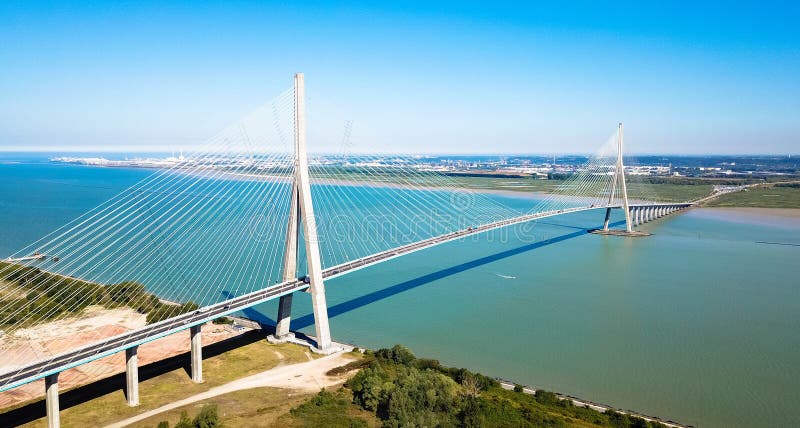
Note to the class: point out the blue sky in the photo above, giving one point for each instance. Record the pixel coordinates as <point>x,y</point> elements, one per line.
<point>441,77</point>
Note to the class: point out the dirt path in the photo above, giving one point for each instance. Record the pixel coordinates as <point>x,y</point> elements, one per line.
<point>309,376</point>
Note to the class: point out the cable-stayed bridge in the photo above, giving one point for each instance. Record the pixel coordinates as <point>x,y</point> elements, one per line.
<point>252,218</point>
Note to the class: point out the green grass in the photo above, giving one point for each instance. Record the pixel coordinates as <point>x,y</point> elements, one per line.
<point>248,408</point>
<point>761,197</point>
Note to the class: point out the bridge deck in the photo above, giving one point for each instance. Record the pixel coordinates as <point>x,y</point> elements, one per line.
<point>103,348</point>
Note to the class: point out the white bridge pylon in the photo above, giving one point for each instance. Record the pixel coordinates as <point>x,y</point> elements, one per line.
<point>301,211</point>
<point>619,177</point>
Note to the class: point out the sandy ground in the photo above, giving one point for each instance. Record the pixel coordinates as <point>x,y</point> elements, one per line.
<point>772,217</point>
<point>308,377</point>
<point>770,212</point>
<point>26,345</point>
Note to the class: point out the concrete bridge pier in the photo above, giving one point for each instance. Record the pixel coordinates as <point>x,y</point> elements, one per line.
<point>284,318</point>
<point>607,219</point>
<point>132,376</point>
<point>51,400</point>
<point>197,354</point>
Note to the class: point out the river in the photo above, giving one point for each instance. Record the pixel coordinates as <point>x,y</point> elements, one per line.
<point>698,322</point>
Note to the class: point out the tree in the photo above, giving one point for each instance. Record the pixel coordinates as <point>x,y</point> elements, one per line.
<point>207,418</point>
<point>163,424</point>
<point>184,421</point>
<point>472,386</point>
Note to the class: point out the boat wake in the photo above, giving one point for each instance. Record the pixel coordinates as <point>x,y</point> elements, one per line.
<point>505,276</point>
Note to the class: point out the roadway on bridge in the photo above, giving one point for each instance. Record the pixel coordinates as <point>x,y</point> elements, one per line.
<point>106,347</point>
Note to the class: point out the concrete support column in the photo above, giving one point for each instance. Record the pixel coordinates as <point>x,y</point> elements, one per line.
<point>51,401</point>
<point>284,316</point>
<point>608,217</point>
<point>635,215</point>
<point>197,354</point>
<point>132,375</point>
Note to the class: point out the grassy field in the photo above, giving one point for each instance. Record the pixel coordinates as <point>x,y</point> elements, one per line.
<point>761,197</point>
<point>162,383</point>
<point>270,407</point>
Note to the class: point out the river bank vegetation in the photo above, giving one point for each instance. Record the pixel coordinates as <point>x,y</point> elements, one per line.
<point>779,195</point>
<point>401,390</point>
<point>36,295</point>
<point>645,187</point>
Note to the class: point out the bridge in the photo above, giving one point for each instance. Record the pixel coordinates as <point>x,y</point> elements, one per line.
<point>302,242</point>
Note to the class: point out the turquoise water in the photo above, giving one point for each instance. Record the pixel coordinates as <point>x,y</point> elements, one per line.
<point>698,322</point>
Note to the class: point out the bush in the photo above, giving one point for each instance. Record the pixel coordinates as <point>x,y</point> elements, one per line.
<point>184,421</point>
<point>327,409</point>
<point>546,397</point>
<point>398,354</point>
<point>518,388</point>
<point>427,364</point>
<point>207,418</point>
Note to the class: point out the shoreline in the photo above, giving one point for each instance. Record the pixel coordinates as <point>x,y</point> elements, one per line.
<point>793,213</point>
<point>602,408</point>
<point>302,339</point>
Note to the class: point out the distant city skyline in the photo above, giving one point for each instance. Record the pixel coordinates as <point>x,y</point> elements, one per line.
<point>413,77</point>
